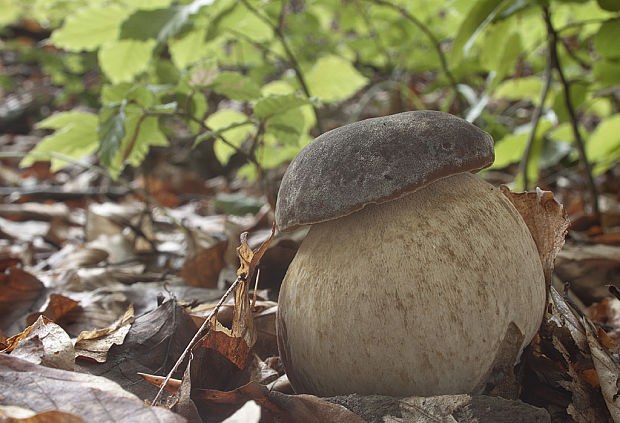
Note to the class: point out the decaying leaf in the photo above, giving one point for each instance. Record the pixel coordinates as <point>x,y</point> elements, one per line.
<point>92,398</point>
<point>559,368</point>
<point>547,221</point>
<point>96,344</point>
<point>442,408</point>
<point>588,268</point>
<point>607,369</point>
<point>20,294</point>
<point>12,414</point>
<point>59,309</point>
<point>275,406</point>
<point>153,343</point>
<point>45,343</point>
<point>203,268</point>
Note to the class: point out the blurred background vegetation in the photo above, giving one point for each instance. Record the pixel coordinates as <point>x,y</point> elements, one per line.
<point>237,87</point>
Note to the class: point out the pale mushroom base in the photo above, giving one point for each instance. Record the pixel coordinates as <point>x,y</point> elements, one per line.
<point>412,296</point>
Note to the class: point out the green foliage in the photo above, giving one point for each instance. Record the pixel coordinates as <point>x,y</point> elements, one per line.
<point>249,76</point>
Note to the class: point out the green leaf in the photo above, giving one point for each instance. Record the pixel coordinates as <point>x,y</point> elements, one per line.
<point>606,39</point>
<point>238,203</point>
<point>241,20</point>
<point>11,11</point>
<point>127,91</point>
<point>609,5</point>
<point>287,126</point>
<point>75,137</point>
<point>189,49</point>
<point>137,140</point>
<point>236,86</point>
<point>333,79</point>
<point>527,88</point>
<point>111,133</point>
<point>89,28</point>
<point>274,104</point>
<point>164,108</point>
<point>603,145</point>
<point>159,24</point>
<point>510,149</point>
<point>122,60</point>
<point>203,74</point>
<point>480,15</point>
<point>607,72</point>
<point>222,119</point>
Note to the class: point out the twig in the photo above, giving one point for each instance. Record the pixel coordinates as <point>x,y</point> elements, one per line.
<point>555,61</point>
<point>429,34</point>
<point>195,338</point>
<point>523,166</point>
<point>289,54</point>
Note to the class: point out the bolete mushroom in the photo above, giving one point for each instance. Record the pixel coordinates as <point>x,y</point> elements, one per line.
<point>413,268</point>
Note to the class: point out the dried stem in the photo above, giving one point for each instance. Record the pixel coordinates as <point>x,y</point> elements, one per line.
<point>555,62</point>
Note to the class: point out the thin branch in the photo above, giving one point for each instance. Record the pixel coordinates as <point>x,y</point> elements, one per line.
<point>523,166</point>
<point>555,61</point>
<point>429,34</point>
<point>289,54</point>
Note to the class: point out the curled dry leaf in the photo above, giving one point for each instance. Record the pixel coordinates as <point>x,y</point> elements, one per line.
<point>45,343</point>
<point>547,221</point>
<point>96,344</point>
<point>93,398</point>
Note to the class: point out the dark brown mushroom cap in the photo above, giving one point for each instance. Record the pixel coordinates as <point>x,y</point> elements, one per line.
<point>377,160</point>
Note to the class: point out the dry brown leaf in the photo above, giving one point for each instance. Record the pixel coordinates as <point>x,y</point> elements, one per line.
<point>20,292</point>
<point>59,309</point>
<point>22,415</point>
<point>202,269</point>
<point>589,268</point>
<point>45,343</point>
<point>96,344</point>
<point>275,406</point>
<point>155,340</point>
<point>607,369</point>
<point>93,398</point>
<point>559,367</point>
<point>547,221</point>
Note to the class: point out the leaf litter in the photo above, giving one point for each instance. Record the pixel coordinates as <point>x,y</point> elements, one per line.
<point>98,307</point>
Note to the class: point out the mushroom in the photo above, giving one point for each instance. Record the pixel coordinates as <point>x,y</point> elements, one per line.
<point>413,268</point>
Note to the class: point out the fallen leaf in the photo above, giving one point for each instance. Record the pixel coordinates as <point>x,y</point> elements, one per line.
<point>44,343</point>
<point>607,369</point>
<point>202,269</point>
<point>20,294</point>
<point>275,406</point>
<point>152,345</point>
<point>11,414</point>
<point>547,221</point>
<point>60,309</point>
<point>96,344</point>
<point>92,398</point>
